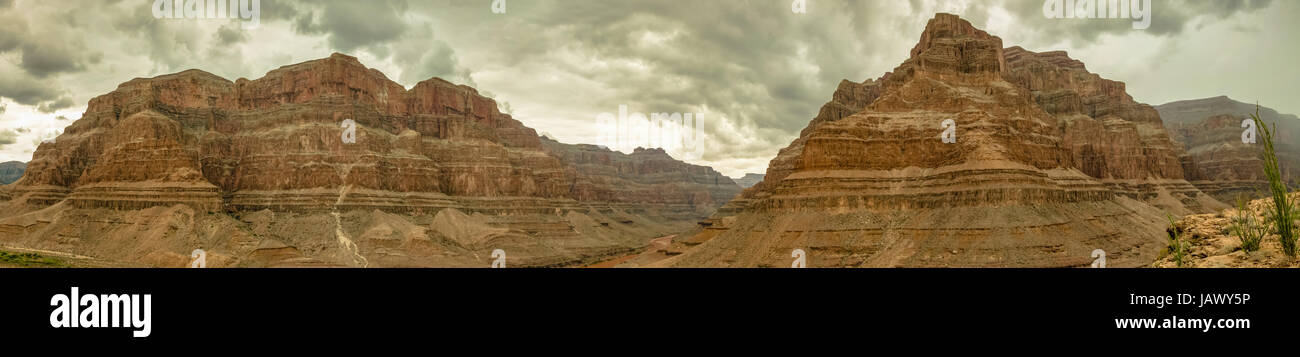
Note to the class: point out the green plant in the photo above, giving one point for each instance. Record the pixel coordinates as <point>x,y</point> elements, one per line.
<point>1247,227</point>
<point>29,260</point>
<point>1177,245</point>
<point>1283,213</point>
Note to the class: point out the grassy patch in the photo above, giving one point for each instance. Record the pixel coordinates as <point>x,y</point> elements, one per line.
<point>29,260</point>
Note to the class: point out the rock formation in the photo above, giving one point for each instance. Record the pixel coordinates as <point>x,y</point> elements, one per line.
<point>749,180</point>
<point>1212,243</point>
<point>1216,159</point>
<point>1111,137</point>
<point>10,171</point>
<point>328,162</point>
<point>967,154</point>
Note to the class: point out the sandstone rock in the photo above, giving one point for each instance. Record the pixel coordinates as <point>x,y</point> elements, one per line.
<point>1110,136</point>
<point>249,162</point>
<point>871,183</point>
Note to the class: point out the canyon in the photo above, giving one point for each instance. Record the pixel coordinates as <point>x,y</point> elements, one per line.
<point>330,163</point>
<point>968,154</point>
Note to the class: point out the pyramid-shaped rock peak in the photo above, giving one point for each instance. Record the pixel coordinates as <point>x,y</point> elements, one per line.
<point>951,44</point>
<point>952,159</point>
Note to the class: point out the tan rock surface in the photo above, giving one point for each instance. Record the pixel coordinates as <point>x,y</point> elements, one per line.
<point>1213,244</point>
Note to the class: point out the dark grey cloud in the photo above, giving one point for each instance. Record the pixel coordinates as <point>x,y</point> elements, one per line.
<point>44,58</point>
<point>57,104</point>
<point>230,34</point>
<point>350,25</point>
<point>26,90</point>
<point>8,136</point>
<point>755,63</point>
<point>1169,18</point>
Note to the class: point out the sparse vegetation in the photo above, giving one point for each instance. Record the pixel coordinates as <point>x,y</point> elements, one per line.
<point>1283,213</point>
<point>1247,227</point>
<point>29,260</point>
<point>1177,244</point>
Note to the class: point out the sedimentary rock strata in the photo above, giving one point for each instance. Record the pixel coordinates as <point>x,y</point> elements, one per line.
<point>328,162</point>
<point>1112,137</point>
<point>965,155</point>
<point>1216,160</point>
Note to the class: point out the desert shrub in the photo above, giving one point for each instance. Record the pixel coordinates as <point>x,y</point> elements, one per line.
<point>1177,243</point>
<point>1283,214</point>
<point>1247,227</point>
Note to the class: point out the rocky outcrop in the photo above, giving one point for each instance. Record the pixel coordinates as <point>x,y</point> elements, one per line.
<point>949,161</point>
<point>329,162</point>
<point>1110,136</point>
<point>749,180</point>
<point>10,171</point>
<point>1211,241</point>
<point>1216,160</point>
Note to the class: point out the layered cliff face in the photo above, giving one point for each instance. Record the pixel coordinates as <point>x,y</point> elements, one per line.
<point>328,162</point>
<point>1110,136</point>
<point>945,161</point>
<point>1216,160</point>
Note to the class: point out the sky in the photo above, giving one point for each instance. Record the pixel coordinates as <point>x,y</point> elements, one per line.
<point>752,72</point>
